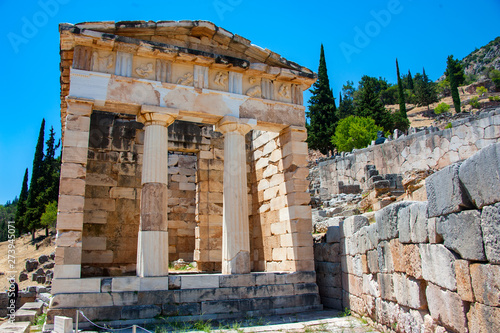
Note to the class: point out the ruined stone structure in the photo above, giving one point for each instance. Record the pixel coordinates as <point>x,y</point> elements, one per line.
<point>180,140</point>
<point>430,266</point>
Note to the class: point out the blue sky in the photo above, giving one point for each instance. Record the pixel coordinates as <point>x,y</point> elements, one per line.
<point>360,37</point>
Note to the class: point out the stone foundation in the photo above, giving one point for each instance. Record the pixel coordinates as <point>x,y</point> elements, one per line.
<point>188,298</point>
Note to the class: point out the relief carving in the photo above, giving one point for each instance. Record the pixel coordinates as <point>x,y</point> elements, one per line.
<point>101,64</point>
<point>144,70</point>
<point>254,92</point>
<point>284,91</point>
<point>221,78</point>
<point>186,80</point>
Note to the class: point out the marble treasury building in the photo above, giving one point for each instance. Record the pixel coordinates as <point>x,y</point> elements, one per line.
<point>181,140</point>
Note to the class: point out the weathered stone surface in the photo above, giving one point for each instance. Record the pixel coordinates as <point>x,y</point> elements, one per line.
<point>486,283</point>
<point>480,174</point>
<point>412,261</point>
<point>434,237</point>
<point>370,285</point>
<point>438,265</point>
<point>333,234</point>
<point>412,223</point>
<point>462,233</point>
<point>386,285</point>
<point>483,318</point>
<point>410,321</point>
<point>446,181</point>
<point>387,220</point>
<point>447,307</point>
<point>387,312</point>
<point>409,292</point>
<point>464,286</point>
<point>384,253</point>
<point>352,224</point>
<point>490,226</point>
<point>372,259</point>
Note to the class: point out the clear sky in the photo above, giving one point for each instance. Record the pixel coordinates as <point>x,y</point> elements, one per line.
<point>360,37</point>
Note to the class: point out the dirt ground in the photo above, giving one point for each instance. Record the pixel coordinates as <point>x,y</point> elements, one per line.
<point>24,249</point>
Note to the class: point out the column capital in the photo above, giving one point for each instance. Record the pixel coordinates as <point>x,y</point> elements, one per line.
<point>151,115</point>
<point>230,124</point>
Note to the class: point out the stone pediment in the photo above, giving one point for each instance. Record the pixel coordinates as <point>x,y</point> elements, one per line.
<point>189,37</point>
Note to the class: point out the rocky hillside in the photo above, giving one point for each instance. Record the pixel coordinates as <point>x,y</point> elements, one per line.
<point>481,59</point>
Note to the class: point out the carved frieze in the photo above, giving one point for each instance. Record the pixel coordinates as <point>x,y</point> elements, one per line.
<point>186,80</point>
<point>144,70</point>
<point>284,91</point>
<point>221,78</point>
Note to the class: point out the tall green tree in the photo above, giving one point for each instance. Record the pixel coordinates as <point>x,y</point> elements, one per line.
<point>34,207</point>
<point>425,90</point>
<point>21,205</point>
<point>456,76</point>
<point>346,101</point>
<point>322,111</point>
<point>401,94</point>
<point>409,81</point>
<point>368,103</point>
<point>52,167</point>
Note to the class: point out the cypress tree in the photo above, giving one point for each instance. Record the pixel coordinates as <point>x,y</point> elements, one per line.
<point>402,103</point>
<point>322,111</point>
<point>425,90</point>
<point>455,75</point>
<point>50,179</point>
<point>21,205</point>
<point>34,211</point>
<point>410,81</point>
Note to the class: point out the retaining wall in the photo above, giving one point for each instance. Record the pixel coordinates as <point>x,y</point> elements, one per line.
<point>430,266</point>
<point>428,149</point>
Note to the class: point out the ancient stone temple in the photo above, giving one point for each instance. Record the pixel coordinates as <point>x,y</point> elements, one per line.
<point>180,140</point>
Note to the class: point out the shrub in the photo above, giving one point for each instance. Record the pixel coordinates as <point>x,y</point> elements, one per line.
<point>474,103</point>
<point>481,90</point>
<point>494,98</point>
<point>449,125</point>
<point>441,108</point>
<point>355,132</point>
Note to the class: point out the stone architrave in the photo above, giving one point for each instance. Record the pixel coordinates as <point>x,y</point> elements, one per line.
<point>152,247</point>
<point>235,225</point>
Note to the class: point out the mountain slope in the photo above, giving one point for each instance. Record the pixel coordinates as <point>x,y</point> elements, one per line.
<point>478,62</point>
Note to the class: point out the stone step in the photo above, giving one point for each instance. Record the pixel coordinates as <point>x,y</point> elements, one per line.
<point>34,306</point>
<point>17,327</point>
<point>25,315</point>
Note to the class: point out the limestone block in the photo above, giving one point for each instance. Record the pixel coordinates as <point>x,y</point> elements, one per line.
<point>412,261</point>
<point>140,312</point>
<point>396,249</point>
<point>261,163</point>
<point>71,186</point>
<point>71,203</point>
<point>386,285</point>
<point>364,241</point>
<point>447,307</point>
<point>352,284</point>
<point>352,224</point>
<point>486,283</point>
<point>409,292</point>
<point>295,212</point>
<point>438,265</point>
<point>70,221</point>
<point>72,170</point>
<point>270,171</point>
<point>63,324</point>
<point>483,318</point>
<point>76,285</point>
<point>94,243</point>
<point>490,226</point>
<point>276,180</point>
<point>412,223</point>
<point>68,255</point>
<point>276,155</point>
<point>462,233</point>
<point>385,261</point>
<point>370,285</point>
<point>333,234</point>
<point>298,160</point>
<point>464,285</point>
<point>74,155</point>
<point>410,320</point>
<point>446,181</point>
<point>387,220</point>
<point>480,174</point>
<point>294,147</point>
<point>372,259</point>
<point>434,237</point>
<point>69,238</point>
<point>372,233</point>
<point>125,283</point>
<point>199,281</point>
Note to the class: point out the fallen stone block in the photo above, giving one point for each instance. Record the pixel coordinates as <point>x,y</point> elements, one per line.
<point>462,233</point>
<point>446,181</point>
<point>438,265</point>
<point>447,307</point>
<point>480,175</point>
<point>16,327</point>
<point>490,226</point>
<point>486,283</point>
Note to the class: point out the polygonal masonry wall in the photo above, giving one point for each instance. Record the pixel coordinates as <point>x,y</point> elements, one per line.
<point>146,177</point>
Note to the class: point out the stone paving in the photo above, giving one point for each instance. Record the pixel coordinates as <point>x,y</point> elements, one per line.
<point>310,322</point>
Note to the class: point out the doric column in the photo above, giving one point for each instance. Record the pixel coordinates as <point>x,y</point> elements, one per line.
<point>152,247</point>
<point>235,226</point>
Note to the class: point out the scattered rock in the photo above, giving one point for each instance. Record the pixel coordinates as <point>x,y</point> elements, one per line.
<point>31,265</point>
<point>43,259</point>
<point>49,265</point>
<point>23,277</point>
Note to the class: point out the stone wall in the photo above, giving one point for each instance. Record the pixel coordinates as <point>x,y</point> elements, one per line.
<point>113,189</point>
<point>189,297</point>
<point>428,149</point>
<point>430,266</point>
